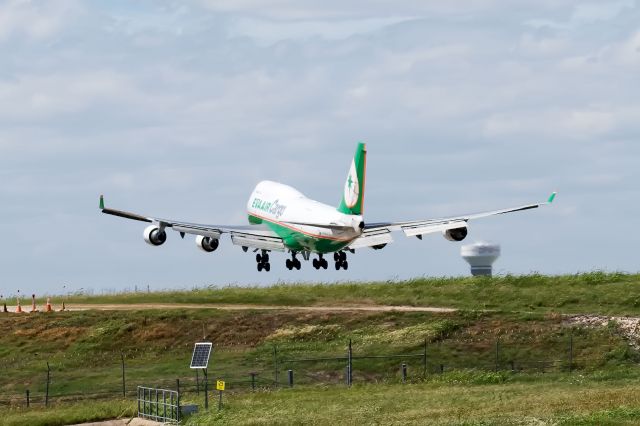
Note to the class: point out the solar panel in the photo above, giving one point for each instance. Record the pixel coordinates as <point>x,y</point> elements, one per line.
<point>201,353</point>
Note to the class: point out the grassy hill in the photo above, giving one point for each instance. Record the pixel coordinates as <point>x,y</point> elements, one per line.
<point>595,292</point>
<point>508,336</point>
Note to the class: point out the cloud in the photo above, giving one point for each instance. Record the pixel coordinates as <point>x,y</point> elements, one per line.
<point>36,20</point>
<point>179,108</point>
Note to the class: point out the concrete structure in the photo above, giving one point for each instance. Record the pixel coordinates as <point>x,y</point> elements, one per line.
<point>481,257</point>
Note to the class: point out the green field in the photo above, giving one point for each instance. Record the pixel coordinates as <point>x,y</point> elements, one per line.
<point>595,292</point>
<point>509,354</point>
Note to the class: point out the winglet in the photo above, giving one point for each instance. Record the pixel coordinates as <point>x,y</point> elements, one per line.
<point>102,202</point>
<point>552,197</point>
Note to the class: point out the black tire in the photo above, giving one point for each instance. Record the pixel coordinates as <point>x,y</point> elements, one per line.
<point>345,265</point>
<point>337,266</point>
<point>315,264</point>
<point>343,256</point>
<point>336,256</point>
<point>265,258</point>
<point>259,267</point>
<point>325,264</point>
<point>267,267</point>
<point>298,265</point>
<point>259,258</point>
<point>288,263</point>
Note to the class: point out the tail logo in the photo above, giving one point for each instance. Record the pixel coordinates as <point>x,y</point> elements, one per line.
<point>352,187</point>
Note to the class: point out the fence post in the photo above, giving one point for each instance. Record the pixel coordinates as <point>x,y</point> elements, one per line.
<point>46,398</point>
<point>571,352</point>
<point>124,388</point>
<point>28,402</point>
<point>424,361</point>
<point>178,402</point>
<point>253,380</point>
<point>349,365</point>
<point>404,373</point>
<point>197,382</point>
<point>275,362</point>
<point>290,372</point>
<point>497,355</point>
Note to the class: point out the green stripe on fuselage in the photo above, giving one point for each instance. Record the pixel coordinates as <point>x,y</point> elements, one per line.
<point>298,241</point>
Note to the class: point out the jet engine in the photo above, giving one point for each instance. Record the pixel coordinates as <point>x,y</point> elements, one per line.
<point>456,234</point>
<point>207,244</point>
<point>154,236</point>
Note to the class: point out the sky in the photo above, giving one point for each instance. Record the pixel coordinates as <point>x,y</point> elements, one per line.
<point>178,108</point>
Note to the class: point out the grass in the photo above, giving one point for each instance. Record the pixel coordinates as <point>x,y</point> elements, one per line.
<point>516,318</point>
<point>582,401</point>
<point>64,414</point>
<point>595,292</point>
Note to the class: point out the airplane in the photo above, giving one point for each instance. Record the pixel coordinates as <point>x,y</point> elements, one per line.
<point>283,219</point>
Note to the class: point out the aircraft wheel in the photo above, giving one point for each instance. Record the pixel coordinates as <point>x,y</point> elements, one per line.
<point>336,256</point>
<point>297,265</point>
<point>289,264</point>
<point>265,258</point>
<point>337,266</point>
<point>325,264</point>
<point>315,264</point>
<point>343,256</point>
<point>259,258</point>
<point>267,267</point>
<point>345,265</point>
<point>259,267</point>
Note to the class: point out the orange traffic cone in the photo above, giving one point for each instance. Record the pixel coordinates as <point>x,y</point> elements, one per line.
<point>19,308</point>
<point>48,308</point>
<point>33,303</point>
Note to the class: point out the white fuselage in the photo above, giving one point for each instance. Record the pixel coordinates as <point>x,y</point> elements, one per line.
<point>302,223</point>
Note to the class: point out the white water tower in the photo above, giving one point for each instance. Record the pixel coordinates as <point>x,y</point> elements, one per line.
<point>480,256</point>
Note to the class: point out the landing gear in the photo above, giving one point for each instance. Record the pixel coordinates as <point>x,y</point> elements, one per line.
<point>340,258</point>
<point>320,262</point>
<point>293,262</point>
<point>263,261</point>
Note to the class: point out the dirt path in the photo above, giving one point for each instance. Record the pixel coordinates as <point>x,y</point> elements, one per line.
<point>232,307</point>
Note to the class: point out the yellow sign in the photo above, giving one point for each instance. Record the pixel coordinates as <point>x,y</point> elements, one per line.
<point>220,385</point>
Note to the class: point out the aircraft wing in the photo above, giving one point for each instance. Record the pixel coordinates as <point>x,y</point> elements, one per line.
<point>377,235</point>
<point>253,236</point>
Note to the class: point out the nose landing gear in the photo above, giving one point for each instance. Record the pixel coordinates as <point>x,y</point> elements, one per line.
<point>320,262</point>
<point>341,260</point>
<point>293,262</point>
<point>263,261</point>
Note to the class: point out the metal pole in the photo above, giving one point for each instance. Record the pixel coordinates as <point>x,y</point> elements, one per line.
<point>206,389</point>
<point>350,365</point>
<point>46,399</point>
<point>178,402</point>
<point>404,373</point>
<point>290,372</point>
<point>275,362</point>
<point>28,402</point>
<point>253,381</point>
<point>220,402</point>
<point>197,382</point>
<point>497,355</point>
<point>571,352</point>
<point>424,361</point>
<point>124,388</point>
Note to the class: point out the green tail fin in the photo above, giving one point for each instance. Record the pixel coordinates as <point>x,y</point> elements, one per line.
<point>353,195</point>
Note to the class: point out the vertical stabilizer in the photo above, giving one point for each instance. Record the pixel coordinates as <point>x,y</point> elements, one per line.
<point>353,195</point>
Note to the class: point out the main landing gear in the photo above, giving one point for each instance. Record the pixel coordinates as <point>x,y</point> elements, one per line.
<point>320,262</point>
<point>293,262</point>
<point>263,261</point>
<point>341,260</point>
